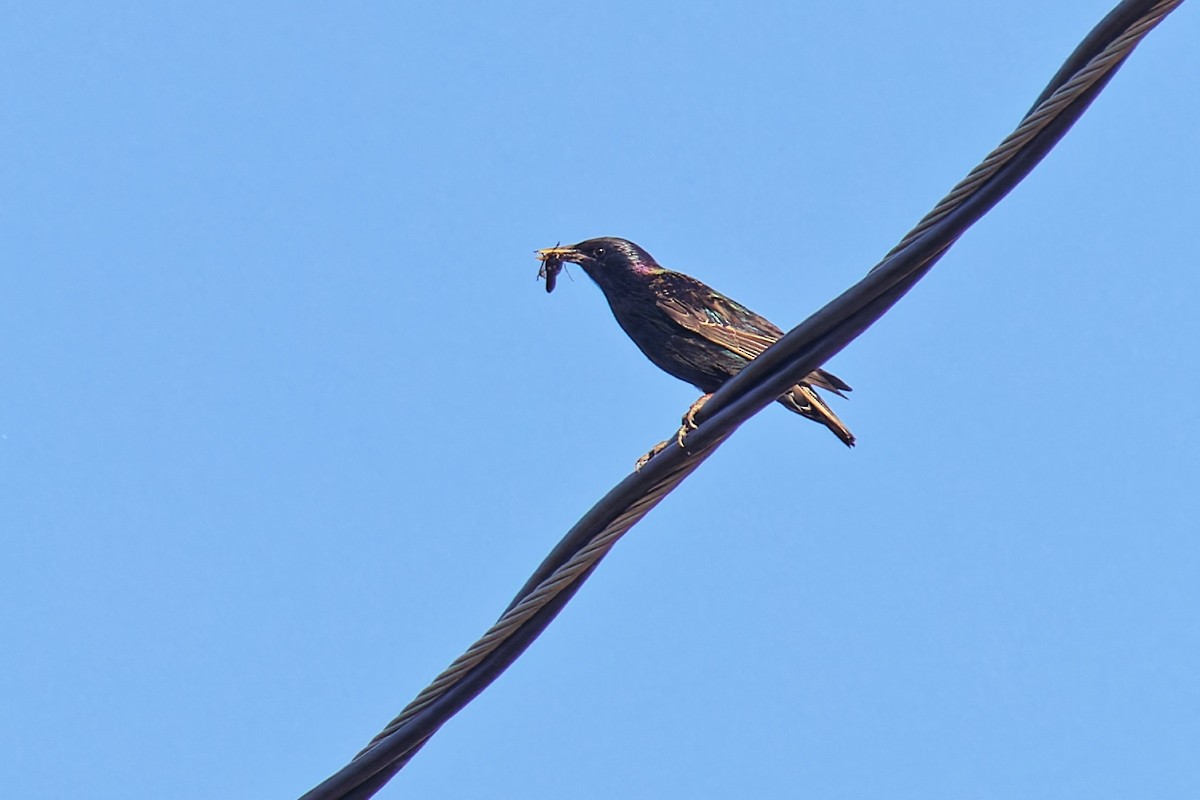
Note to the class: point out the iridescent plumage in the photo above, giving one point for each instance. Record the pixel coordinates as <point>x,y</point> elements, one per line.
<point>688,329</point>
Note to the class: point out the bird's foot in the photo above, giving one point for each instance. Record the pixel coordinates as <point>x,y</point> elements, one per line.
<point>644,460</point>
<point>689,419</point>
<point>689,425</point>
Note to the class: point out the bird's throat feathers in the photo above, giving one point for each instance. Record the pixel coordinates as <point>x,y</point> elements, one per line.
<point>643,269</point>
<point>646,268</point>
<point>634,267</point>
<point>632,276</point>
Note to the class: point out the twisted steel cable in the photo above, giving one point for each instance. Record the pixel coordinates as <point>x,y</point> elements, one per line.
<point>803,349</point>
<point>1051,103</point>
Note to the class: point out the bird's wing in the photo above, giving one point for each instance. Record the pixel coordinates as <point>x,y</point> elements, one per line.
<point>731,325</point>
<point>723,322</point>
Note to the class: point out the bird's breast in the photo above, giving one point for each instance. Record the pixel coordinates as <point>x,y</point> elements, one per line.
<point>672,348</point>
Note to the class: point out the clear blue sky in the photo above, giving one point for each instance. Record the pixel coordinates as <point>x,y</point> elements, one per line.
<point>285,418</point>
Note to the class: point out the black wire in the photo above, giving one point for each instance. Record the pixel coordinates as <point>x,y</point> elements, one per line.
<point>803,349</point>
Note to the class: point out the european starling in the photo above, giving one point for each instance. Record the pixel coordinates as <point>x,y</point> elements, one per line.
<point>686,328</point>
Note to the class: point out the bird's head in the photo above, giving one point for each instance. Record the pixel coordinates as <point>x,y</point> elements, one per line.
<point>604,260</point>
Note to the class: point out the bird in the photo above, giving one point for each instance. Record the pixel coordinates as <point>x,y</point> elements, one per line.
<point>686,328</point>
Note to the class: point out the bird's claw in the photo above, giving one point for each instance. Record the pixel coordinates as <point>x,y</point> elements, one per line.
<point>644,460</point>
<point>689,420</point>
<point>689,425</point>
<point>682,433</point>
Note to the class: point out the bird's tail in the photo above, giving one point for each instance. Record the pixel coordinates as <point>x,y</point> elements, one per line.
<point>827,380</point>
<point>803,400</point>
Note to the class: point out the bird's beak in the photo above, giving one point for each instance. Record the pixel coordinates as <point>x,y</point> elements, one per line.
<point>557,253</point>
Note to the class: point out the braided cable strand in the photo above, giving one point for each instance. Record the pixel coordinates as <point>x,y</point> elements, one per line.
<point>803,349</point>
<point>1038,118</point>
<point>583,560</point>
<point>1086,71</point>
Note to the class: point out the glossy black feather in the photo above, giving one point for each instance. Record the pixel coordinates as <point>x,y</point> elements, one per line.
<point>688,329</point>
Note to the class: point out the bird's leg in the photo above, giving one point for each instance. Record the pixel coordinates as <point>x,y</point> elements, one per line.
<point>689,419</point>
<point>689,425</point>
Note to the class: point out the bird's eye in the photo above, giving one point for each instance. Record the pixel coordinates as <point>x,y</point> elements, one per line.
<point>599,252</point>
